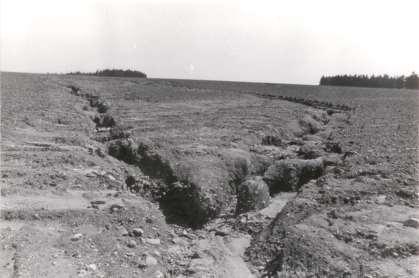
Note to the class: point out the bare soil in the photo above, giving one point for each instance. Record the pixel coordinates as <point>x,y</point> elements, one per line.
<point>129,177</point>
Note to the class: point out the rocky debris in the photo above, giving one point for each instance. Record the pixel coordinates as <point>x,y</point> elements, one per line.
<point>101,105</point>
<point>104,120</point>
<point>125,150</point>
<point>222,231</point>
<point>252,194</point>
<point>137,232</point>
<point>118,132</point>
<point>97,202</point>
<point>290,174</point>
<point>152,241</point>
<point>147,260</point>
<point>158,274</point>
<point>410,193</point>
<point>144,186</point>
<point>272,140</point>
<point>412,222</point>
<point>92,267</point>
<point>116,208</point>
<point>76,237</point>
<point>122,231</point>
<point>333,147</point>
<point>99,152</point>
<point>131,243</point>
<point>185,233</point>
<point>200,265</point>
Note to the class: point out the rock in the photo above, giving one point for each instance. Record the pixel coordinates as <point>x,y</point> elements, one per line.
<point>76,237</point>
<point>132,244</point>
<point>380,199</point>
<point>111,177</point>
<point>252,194</point>
<point>147,261</point>
<point>152,241</point>
<point>187,235</point>
<point>137,232</point>
<point>290,174</point>
<point>90,175</point>
<point>100,152</point>
<point>157,253</point>
<point>97,202</point>
<point>412,222</point>
<point>200,265</point>
<point>122,231</point>
<point>92,267</point>
<point>180,241</point>
<point>158,274</point>
<point>116,208</point>
<point>150,260</point>
<point>221,232</point>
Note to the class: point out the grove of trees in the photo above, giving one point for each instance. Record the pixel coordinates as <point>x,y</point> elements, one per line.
<point>113,72</point>
<point>376,81</point>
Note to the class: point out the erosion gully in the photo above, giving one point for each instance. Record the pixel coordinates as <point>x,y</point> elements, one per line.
<point>237,230</point>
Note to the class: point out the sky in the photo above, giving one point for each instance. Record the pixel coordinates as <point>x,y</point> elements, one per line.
<point>279,41</point>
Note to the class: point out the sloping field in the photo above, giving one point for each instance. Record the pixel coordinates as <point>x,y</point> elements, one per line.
<point>132,177</point>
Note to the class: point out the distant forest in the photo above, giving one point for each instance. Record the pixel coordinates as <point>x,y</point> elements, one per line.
<point>378,81</point>
<point>113,72</point>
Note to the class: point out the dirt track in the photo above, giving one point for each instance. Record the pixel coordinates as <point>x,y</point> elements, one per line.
<point>186,147</point>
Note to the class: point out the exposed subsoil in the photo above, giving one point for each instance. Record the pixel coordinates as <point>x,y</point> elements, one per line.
<point>124,177</point>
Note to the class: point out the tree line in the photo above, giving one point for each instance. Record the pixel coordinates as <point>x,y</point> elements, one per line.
<point>112,72</point>
<point>375,81</point>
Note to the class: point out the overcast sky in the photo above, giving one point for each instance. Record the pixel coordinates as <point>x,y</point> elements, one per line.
<point>272,41</point>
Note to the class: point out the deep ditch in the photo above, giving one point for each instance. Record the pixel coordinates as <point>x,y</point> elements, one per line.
<point>179,200</point>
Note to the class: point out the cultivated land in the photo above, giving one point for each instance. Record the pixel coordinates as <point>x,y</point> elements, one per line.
<point>129,177</point>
